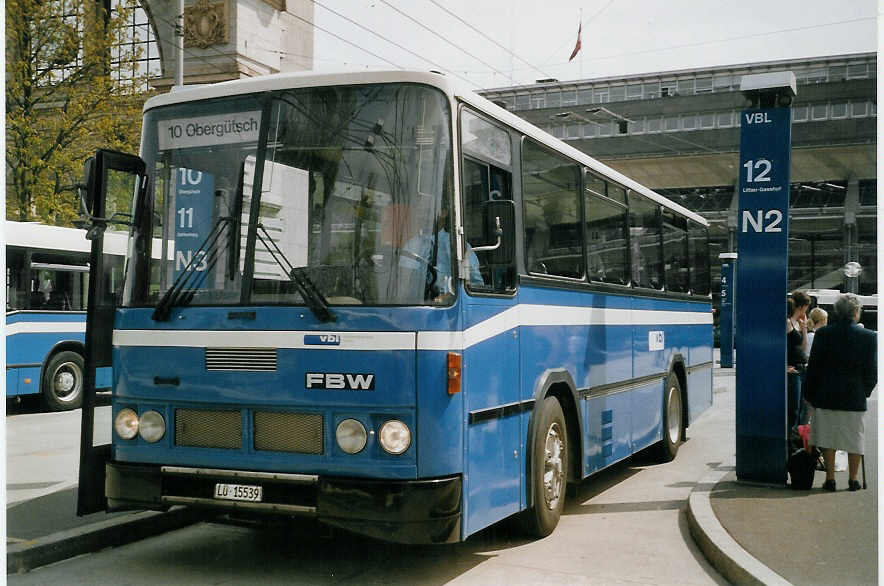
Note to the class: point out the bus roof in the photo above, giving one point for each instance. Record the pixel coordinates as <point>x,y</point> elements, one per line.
<point>828,297</point>
<point>42,237</point>
<point>452,88</point>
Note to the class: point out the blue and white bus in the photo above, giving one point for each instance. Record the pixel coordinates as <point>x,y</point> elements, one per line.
<point>393,306</point>
<point>47,276</point>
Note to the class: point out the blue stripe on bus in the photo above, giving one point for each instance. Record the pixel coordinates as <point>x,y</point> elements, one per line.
<point>29,348</point>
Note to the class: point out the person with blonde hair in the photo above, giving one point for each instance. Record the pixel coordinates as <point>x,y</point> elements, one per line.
<point>841,374</point>
<point>818,318</point>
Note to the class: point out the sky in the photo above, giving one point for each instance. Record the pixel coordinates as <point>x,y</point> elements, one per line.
<point>497,43</point>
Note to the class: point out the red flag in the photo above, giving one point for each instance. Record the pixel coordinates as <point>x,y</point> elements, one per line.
<point>577,45</point>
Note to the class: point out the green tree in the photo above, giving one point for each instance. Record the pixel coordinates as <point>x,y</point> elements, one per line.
<point>64,60</point>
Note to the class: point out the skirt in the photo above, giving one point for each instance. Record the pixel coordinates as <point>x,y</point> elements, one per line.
<point>838,430</point>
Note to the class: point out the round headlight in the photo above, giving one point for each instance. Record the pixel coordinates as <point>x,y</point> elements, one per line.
<point>351,436</point>
<point>151,426</point>
<point>395,437</point>
<point>126,424</point>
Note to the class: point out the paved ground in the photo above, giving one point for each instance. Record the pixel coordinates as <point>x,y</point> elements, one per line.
<point>813,536</point>
<point>784,536</point>
<point>627,525</point>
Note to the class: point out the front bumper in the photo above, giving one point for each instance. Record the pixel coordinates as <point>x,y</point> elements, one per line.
<point>403,511</point>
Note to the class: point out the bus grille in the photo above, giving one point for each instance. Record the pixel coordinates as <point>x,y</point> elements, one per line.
<point>208,429</point>
<point>253,359</point>
<point>288,432</point>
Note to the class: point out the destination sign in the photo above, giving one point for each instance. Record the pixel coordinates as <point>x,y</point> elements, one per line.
<point>200,131</point>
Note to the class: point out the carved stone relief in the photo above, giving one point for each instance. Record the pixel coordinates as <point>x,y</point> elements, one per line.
<point>205,24</point>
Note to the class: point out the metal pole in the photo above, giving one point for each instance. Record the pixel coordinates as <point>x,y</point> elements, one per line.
<point>179,32</point>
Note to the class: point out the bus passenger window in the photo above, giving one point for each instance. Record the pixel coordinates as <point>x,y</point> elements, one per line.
<point>675,252</point>
<point>644,231</point>
<point>607,260</point>
<point>698,245</point>
<point>552,213</point>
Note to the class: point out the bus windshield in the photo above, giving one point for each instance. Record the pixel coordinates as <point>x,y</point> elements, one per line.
<point>338,194</point>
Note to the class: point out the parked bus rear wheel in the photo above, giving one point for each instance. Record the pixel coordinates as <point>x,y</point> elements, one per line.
<point>63,382</point>
<point>673,419</point>
<point>549,470</point>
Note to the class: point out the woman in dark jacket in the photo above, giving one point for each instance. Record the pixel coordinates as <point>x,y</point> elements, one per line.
<point>841,373</point>
<point>796,355</point>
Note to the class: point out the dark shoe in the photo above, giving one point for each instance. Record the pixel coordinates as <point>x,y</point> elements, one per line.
<point>829,485</point>
<point>853,485</point>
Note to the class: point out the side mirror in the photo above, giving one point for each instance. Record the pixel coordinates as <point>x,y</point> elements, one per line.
<point>500,222</point>
<point>85,188</point>
<point>112,181</point>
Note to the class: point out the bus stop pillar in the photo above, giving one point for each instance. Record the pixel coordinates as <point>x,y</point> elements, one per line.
<point>762,277</point>
<point>726,313</point>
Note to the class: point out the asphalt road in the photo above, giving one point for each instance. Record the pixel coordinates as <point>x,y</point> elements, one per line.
<point>626,525</point>
<point>43,449</point>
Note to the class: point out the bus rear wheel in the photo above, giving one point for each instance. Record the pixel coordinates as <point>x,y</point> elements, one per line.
<point>549,470</point>
<point>63,382</point>
<point>673,419</point>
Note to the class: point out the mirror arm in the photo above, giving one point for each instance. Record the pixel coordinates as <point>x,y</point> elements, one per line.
<point>499,232</point>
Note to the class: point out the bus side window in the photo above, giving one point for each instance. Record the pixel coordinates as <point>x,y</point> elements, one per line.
<point>483,183</point>
<point>551,202</point>
<point>698,244</point>
<point>675,252</point>
<point>607,260</point>
<point>644,230</point>
<point>486,177</point>
<point>16,282</point>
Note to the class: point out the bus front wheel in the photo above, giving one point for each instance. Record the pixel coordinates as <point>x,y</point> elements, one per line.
<point>63,382</point>
<point>673,420</point>
<point>549,470</point>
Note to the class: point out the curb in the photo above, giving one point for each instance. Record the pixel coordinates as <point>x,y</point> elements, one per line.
<point>23,557</point>
<point>736,564</point>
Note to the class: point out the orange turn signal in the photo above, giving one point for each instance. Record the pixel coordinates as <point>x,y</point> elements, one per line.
<point>454,366</point>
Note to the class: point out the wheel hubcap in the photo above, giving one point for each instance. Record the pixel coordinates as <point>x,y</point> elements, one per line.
<point>67,381</point>
<point>553,471</point>
<point>674,415</point>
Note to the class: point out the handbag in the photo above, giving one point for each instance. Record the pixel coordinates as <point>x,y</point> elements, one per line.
<point>802,467</point>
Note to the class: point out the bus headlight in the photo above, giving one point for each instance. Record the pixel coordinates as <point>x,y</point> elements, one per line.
<point>126,424</point>
<point>395,437</point>
<point>351,436</point>
<point>151,426</point>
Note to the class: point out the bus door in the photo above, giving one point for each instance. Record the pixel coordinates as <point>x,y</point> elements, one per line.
<point>113,183</point>
<point>495,464</point>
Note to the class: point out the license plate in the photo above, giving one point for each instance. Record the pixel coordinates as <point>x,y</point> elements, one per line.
<point>239,492</point>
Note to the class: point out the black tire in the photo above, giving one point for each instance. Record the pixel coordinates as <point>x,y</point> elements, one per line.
<point>673,419</point>
<point>62,386</point>
<point>549,470</point>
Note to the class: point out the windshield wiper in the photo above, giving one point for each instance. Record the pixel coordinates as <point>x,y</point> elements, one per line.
<point>312,296</point>
<point>189,280</point>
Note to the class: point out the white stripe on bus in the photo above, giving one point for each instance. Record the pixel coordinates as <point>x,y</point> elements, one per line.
<point>45,327</point>
<point>263,339</point>
<point>519,315</point>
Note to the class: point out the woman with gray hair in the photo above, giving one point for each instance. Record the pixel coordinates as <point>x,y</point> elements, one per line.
<point>842,373</point>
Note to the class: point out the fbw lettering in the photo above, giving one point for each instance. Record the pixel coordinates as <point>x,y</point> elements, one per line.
<point>339,381</point>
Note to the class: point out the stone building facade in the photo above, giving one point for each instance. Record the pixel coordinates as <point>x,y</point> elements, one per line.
<point>231,39</point>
